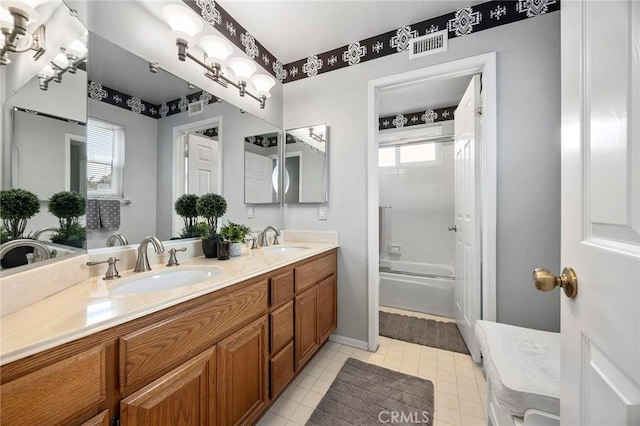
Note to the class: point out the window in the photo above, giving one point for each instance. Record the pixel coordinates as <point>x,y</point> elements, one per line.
<point>404,154</point>
<point>105,159</point>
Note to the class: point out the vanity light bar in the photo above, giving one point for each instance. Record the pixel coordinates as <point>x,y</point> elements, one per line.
<point>53,71</point>
<point>215,73</point>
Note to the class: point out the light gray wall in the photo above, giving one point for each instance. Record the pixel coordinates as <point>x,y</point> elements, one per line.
<point>528,235</point>
<point>235,126</point>
<point>137,219</point>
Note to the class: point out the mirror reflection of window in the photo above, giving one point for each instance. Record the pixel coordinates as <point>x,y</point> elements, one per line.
<point>105,159</point>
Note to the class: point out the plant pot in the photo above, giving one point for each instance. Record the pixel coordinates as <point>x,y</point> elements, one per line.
<point>210,247</point>
<point>223,250</point>
<point>235,249</point>
<point>16,257</point>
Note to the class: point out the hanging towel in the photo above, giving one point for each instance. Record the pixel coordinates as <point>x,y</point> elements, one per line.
<point>93,214</point>
<point>109,214</point>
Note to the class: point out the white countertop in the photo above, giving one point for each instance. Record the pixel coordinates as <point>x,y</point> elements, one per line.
<point>88,307</point>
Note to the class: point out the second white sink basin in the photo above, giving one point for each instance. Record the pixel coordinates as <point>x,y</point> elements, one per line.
<point>284,249</point>
<point>165,279</point>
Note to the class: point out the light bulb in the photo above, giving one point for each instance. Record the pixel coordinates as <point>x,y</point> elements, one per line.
<point>242,68</point>
<point>47,71</point>
<point>217,48</point>
<point>77,49</point>
<point>182,20</point>
<point>263,84</point>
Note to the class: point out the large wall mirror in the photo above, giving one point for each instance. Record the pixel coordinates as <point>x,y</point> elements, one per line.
<point>176,138</point>
<point>44,133</point>
<point>305,175</point>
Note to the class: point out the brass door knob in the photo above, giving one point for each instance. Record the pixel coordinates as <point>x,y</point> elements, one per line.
<point>546,281</point>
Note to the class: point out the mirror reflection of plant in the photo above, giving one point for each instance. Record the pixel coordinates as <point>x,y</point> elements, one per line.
<point>185,207</point>
<point>68,206</point>
<point>16,206</point>
<point>211,207</point>
<point>234,232</point>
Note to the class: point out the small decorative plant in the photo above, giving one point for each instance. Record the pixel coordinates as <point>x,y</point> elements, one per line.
<point>185,207</point>
<point>16,206</point>
<point>211,207</point>
<point>234,232</point>
<point>68,206</point>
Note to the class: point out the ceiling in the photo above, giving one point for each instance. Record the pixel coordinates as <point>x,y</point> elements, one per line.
<point>295,29</point>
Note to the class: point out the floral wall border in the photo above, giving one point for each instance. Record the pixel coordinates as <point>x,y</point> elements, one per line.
<point>114,97</point>
<point>429,116</point>
<point>460,23</point>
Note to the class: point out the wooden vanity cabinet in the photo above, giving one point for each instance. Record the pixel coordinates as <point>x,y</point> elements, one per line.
<point>185,396</point>
<point>219,359</point>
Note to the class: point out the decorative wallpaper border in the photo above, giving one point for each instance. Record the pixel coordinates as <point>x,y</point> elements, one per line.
<point>114,97</point>
<point>219,19</point>
<point>416,118</point>
<point>55,117</point>
<point>460,23</point>
<point>268,140</point>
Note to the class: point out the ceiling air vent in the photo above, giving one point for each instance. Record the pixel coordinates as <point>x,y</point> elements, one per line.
<point>428,44</point>
<point>196,108</point>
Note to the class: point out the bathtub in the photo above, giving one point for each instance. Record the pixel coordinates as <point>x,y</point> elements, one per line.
<point>422,288</point>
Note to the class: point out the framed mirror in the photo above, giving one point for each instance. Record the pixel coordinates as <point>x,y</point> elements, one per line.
<point>306,165</point>
<point>261,153</point>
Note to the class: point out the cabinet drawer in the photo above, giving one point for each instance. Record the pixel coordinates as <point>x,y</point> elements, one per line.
<point>314,272</point>
<point>57,393</point>
<point>282,288</point>
<point>282,369</point>
<point>154,350</point>
<point>281,327</point>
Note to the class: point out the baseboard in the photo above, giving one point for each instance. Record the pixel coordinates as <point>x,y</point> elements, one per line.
<point>360,344</point>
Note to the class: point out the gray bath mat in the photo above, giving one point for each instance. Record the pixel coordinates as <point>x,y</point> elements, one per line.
<point>426,332</point>
<point>365,394</point>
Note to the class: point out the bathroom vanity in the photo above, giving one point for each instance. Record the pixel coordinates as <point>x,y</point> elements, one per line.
<point>219,358</point>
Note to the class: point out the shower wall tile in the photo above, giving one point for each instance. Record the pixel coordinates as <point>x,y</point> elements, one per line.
<point>422,200</point>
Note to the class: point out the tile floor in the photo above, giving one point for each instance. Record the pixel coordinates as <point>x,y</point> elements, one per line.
<point>460,385</point>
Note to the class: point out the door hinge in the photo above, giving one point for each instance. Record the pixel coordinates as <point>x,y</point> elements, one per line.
<point>480,109</point>
<point>115,421</point>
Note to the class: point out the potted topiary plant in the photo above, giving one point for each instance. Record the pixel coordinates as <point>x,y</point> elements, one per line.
<point>68,206</point>
<point>185,207</point>
<point>234,233</point>
<point>16,207</point>
<point>211,207</point>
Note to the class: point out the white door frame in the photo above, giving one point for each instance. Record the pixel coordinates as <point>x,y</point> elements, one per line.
<point>178,159</point>
<point>485,64</point>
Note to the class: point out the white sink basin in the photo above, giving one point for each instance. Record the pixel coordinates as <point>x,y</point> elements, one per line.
<point>165,279</point>
<point>284,249</point>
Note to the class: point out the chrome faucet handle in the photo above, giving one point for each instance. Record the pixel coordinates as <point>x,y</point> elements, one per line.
<point>254,243</point>
<point>173,260</point>
<point>112,272</point>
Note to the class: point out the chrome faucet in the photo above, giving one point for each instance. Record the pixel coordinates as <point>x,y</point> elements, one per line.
<point>41,231</point>
<point>142,262</point>
<point>40,247</point>
<point>264,241</point>
<point>117,238</point>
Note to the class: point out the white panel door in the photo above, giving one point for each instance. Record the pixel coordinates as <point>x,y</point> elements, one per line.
<point>203,165</point>
<point>467,214</point>
<point>257,178</point>
<point>601,212</point>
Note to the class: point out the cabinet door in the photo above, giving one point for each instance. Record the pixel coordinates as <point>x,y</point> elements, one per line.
<point>307,337</point>
<point>243,389</point>
<point>102,419</point>
<point>327,307</point>
<point>185,396</point>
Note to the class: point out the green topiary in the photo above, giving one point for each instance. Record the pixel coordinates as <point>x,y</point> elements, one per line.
<point>185,207</point>
<point>234,232</point>
<point>211,207</point>
<point>68,206</point>
<point>16,206</point>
